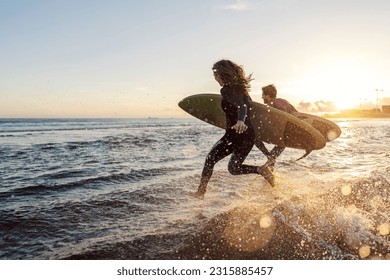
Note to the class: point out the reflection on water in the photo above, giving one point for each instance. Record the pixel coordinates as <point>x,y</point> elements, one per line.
<point>249,228</point>
<point>119,190</point>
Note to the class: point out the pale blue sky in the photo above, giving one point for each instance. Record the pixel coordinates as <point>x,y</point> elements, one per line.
<point>139,58</point>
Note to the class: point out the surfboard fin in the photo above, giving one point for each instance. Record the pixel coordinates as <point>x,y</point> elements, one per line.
<point>306,154</point>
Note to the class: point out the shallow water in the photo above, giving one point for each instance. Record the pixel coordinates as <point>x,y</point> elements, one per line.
<point>118,189</point>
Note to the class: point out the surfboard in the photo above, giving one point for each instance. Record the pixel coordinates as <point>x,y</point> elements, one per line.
<point>327,128</point>
<point>271,125</point>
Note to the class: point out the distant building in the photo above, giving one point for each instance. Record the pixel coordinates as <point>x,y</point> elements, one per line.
<point>386,108</point>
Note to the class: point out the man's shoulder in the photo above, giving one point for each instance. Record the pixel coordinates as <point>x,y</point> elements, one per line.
<point>284,105</point>
<point>281,102</point>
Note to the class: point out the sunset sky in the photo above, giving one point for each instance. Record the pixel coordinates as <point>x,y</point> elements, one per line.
<point>136,58</point>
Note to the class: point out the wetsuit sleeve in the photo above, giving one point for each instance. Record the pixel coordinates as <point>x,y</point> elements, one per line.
<point>291,109</point>
<point>242,110</point>
<point>238,101</point>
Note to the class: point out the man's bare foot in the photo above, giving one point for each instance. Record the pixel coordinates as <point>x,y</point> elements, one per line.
<point>270,163</point>
<point>265,171</point>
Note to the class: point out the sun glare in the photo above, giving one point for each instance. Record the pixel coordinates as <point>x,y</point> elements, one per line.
<point>347,83</point>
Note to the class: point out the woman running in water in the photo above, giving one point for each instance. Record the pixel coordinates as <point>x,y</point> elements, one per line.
<point>239,137</point>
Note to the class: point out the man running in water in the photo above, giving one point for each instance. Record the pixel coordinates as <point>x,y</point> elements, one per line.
<point>270,99</point>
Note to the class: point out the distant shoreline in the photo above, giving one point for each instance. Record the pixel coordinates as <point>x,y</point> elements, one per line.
<point>358,114</point>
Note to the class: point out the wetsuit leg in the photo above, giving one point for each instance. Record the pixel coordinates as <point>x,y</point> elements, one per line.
<point>276,151</point>
<point>220,150</point>
<point>260,145</point>
<point>271,155</point>
<point>240,152</point>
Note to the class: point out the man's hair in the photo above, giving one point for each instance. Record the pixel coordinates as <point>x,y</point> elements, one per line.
<point>270,90</point>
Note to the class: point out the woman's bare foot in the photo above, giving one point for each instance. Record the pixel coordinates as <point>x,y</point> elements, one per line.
<point>197,195</point>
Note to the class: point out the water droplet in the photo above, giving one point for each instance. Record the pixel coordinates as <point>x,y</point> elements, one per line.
<point>384,229</point>
<point>265,222</point>
<point>364,251</point>
<point>346,190</point>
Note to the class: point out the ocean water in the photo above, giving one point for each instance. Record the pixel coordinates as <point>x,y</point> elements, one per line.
<point>118,189</point>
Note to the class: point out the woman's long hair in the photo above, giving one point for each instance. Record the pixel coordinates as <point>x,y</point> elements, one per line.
<point>233,74</point>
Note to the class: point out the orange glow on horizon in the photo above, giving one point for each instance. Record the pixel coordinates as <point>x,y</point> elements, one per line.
<point>347,83</point>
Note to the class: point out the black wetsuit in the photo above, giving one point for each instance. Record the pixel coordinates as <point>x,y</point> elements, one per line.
<point>235,104</point>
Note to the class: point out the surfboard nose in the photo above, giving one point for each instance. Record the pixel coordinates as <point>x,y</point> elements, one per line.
<point>184,104</point>
<point>180,104</point>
